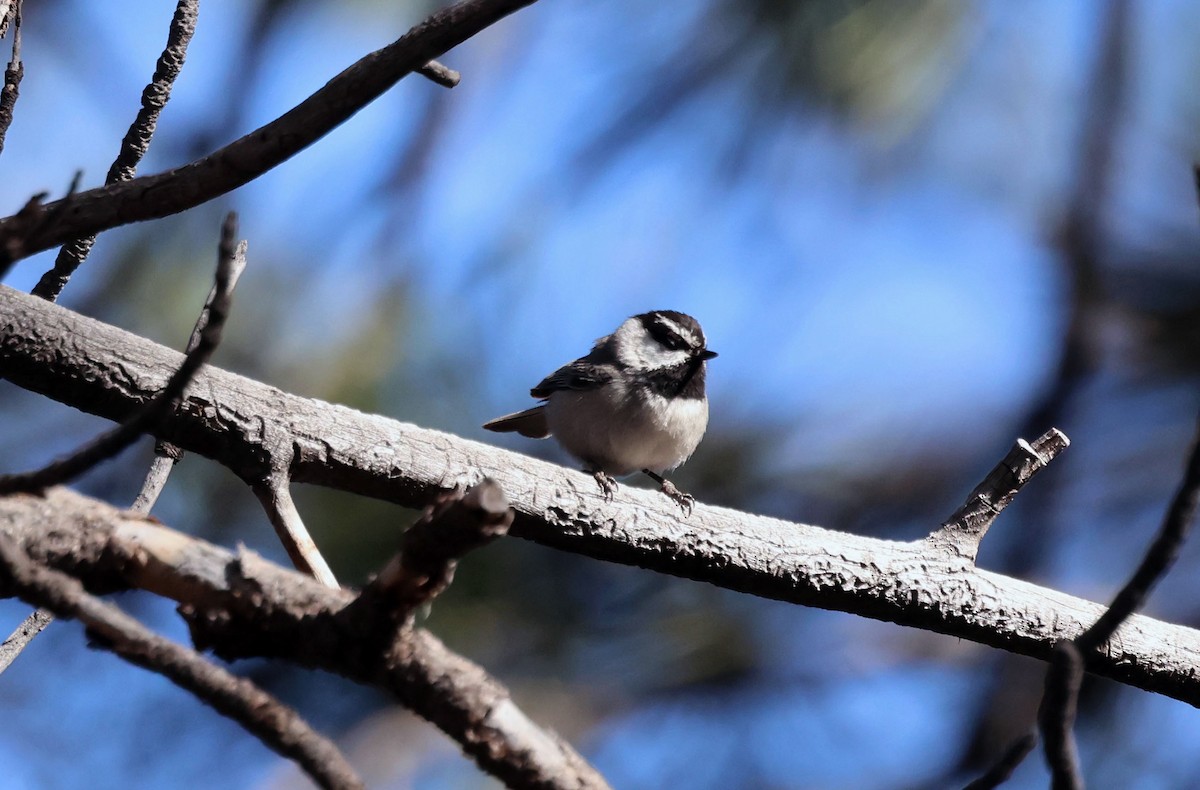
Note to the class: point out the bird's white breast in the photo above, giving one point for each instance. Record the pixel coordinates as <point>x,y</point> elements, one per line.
<point>615,431</point>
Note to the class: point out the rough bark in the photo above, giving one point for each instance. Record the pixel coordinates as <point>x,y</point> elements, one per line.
<point>240,605</point>
<point>230,418</point>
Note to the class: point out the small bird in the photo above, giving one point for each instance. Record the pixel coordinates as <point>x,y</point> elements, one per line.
<point>636,401</point>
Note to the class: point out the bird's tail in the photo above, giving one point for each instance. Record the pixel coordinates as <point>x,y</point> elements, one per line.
<point>531,423</point>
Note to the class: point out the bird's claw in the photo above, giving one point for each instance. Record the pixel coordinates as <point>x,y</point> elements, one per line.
<point>607,483</point>
<point>684,500</point>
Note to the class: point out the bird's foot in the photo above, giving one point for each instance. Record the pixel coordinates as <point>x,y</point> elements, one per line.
<point>607,483</point>
<point>684,500</point>
<point>681,498</point>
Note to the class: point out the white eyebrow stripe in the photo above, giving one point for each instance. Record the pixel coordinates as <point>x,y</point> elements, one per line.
<point>688,336</point>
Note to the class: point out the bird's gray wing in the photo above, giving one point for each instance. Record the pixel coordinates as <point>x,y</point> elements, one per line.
<point>582,374</point>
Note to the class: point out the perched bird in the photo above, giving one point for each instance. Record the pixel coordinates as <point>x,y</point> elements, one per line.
<point>635,402</point>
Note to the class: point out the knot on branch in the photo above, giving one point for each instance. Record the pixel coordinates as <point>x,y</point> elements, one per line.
<point>453,525</point>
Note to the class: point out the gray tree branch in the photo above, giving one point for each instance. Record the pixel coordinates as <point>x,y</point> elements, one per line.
<point>24,633</point>
<point>10,19</point>
<point>275,724</point>
<point>106,371</point>
<point>163,194</point>
<point>274,493</point>
<point>113,442</point>
<point>241,605</point>
<point>136,141</point>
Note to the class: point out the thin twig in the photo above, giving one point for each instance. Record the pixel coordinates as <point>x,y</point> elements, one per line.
<point>276,725</point>
<point>1056,717</point>
<point>166,455</point>
<point>1064,678</point>
<point>1013,756</point>
<point>136,142</point>
<point>113,442</point>
<point>19,639</point>
<point>15,70</point>
<point>442,75</point>
<point>163,194</point>
<point>1158,560</point>
<point>965,528</point>
<point>33,218</point>
<point>276,497</point>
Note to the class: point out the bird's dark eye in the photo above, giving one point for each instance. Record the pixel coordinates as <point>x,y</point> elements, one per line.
<point>666,336</point>
<point>665,329</point>
<point>674,342</point>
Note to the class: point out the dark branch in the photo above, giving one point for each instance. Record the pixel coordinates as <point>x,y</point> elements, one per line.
<point>1013,756</point>
<point>1063,680</point>
<point>163,194</point>
<point>1057,716</point>
<point>1158,560</point>
<point>33,218</point>
<point>136,142</point>
<point>1065,675</point>
<point>166,455</point>
<point>276,725</point>
<point>113,442</point>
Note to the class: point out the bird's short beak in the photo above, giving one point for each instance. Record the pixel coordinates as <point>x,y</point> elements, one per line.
<point>707,354</point>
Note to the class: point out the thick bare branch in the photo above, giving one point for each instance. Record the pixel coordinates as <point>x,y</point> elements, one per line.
<point>163,194</point>
<point>276,725</point>
<point>106,371</point>
<point>241,605</point>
